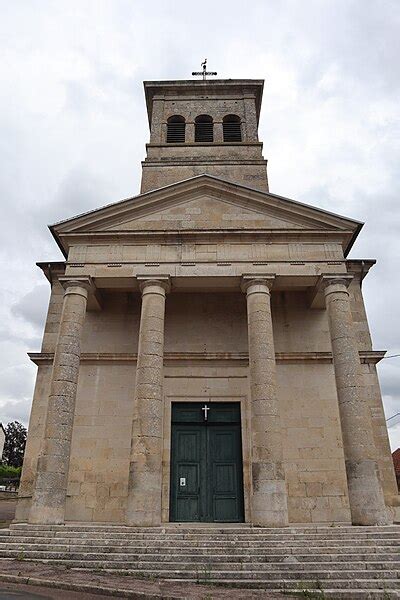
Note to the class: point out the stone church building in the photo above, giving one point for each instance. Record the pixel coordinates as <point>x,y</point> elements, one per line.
<point>206,355</point>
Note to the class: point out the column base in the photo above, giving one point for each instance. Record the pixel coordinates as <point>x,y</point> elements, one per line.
<point>46,515</point>
<point>143,508</point>
<point>49,496</point>
<point>269,504</point>
<point>367,503</point>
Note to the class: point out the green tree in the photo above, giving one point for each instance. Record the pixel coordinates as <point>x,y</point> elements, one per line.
<point>14,445</point>
<point>7,472</point>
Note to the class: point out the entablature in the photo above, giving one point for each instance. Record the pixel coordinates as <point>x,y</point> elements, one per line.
<point>206,277</point>
<point>366,357</point>
<point>205,247</point>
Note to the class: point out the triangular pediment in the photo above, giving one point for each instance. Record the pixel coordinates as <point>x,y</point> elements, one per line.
<point>204,203</point>
<point>202,213</point>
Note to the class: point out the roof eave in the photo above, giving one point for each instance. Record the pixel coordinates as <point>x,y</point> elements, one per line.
<point>58,240</point>
<point>353,239</point>
<point>47,266</point>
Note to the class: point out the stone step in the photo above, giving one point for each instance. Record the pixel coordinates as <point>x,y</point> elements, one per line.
<point>343,560</point>
<point>368,553</point>
<point>272,575</point>
<point>327,561</point>
<point>312,553</point>
<point>382,588</point>
<point>165,542</point>
<point>81,545</point>
<point>361,536</point>
<point>204,529</point>
<point>209,575</point>
<point>320,586</point>
<point>317,580</point>
<point>217,562</point>
<point>182,544</point>
<point>225,529</point>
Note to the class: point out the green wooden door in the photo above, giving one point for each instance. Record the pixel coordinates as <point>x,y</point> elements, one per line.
<point>206,463</point>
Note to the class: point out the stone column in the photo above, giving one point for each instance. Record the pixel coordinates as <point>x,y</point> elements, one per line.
<point>367,504</point>
<point>48,501</point>
<point>269,494</point>
<point>144,488</point>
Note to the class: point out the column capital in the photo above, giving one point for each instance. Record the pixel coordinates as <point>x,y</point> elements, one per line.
<point>162,281</point>
<point>72,283</point>
<point>338,279</point>
<point>257,279</point>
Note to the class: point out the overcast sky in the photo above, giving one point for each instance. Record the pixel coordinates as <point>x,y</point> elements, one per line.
<point>73,127</point>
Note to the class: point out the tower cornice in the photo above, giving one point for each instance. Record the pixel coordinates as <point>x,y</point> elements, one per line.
<point>213,87</point>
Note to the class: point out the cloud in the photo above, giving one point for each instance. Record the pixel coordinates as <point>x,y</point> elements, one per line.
<point>73,129</point>
<point>33,306</point>
<point>15,410</point>
<point>79,191</point>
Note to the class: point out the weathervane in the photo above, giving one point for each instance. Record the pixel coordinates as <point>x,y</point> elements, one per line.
<point>204,72</point>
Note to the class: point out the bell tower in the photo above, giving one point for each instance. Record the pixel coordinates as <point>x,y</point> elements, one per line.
<point>199,127</point>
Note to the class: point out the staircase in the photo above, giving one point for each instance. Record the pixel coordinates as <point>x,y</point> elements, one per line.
<point>337,562</point>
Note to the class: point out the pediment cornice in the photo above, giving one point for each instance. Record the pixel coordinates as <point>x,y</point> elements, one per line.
<point>155,213</point>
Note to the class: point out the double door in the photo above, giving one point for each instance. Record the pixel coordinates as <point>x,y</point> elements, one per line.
<point>206,463</point>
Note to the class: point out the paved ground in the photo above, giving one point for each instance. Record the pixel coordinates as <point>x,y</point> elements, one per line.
<point>119,586</point>
<point>7,511</point>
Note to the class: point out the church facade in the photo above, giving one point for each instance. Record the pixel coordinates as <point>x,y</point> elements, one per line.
<point>206,355</point>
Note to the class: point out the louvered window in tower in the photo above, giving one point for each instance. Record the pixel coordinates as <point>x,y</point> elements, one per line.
<point>232,129</point>
<point>203,131</point>
<point>176,130</point>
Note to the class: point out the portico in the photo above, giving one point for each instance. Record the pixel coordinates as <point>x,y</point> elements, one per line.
<point>266,489</point>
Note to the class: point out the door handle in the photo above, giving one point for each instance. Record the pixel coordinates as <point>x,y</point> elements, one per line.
<point>182,482</point>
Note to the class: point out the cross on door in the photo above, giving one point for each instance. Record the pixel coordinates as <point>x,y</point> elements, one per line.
<point>205,409</point>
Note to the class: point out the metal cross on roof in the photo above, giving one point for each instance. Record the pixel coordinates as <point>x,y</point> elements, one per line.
<point>204,72</point>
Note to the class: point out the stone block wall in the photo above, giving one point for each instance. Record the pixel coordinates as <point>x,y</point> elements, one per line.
<point>312,444</point>
<point>296,327</point>
<point>99,465</point>
<point>35,436</point>
<point>115,328</point>
<point>157,174</point>
<point>53,317</point>
<point>206,322</point>
<point>359,315</point>
<point>381,438</point>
